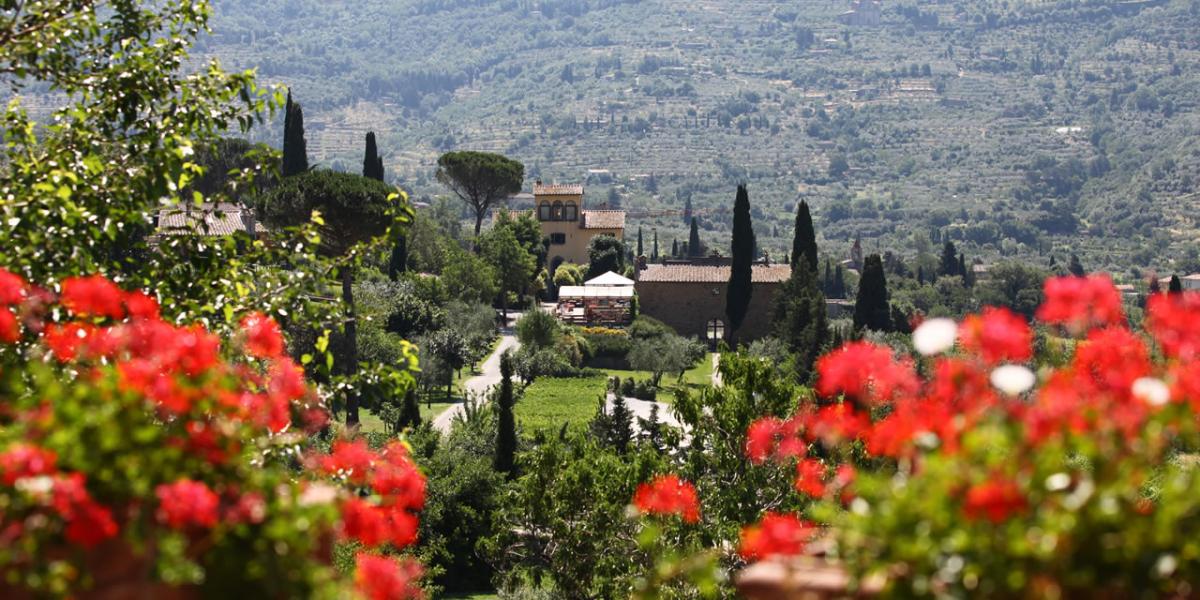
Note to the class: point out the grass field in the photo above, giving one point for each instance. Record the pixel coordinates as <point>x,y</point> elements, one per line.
<point>551,401</point>
<point>695,377</point>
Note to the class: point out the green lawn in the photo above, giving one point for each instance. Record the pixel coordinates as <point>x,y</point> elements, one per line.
<point>697,376</point>
<point>471,596</point>
<point>551,401</point>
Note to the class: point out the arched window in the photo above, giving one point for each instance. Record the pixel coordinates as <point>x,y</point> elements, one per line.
<point>570,211</point>
<point>544,211</point>
<point>556,211</point>
<point>716,331</point>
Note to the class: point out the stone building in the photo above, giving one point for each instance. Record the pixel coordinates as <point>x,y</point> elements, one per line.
<point>862,13</point>
<point>208,220</point>
<point>568,226</point>
<point>691,299</point>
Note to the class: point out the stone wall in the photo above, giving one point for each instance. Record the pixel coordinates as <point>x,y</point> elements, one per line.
<point>688,307</point>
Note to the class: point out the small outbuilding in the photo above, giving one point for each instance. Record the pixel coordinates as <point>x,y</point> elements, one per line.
<point>595,304</point>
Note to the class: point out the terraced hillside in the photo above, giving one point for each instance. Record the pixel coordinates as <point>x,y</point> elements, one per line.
<point>1020,128</point>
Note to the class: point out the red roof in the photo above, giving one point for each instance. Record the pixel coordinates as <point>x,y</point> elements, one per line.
<point>603,219</point>
<point>707,274</point>
<point>557,189</point>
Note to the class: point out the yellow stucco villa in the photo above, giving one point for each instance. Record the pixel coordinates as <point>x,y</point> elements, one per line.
<point>559,209</point>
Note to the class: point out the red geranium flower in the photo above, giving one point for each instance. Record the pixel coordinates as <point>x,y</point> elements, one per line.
<point>997,335</point>
<point>65,341</point>
<point>89,524</point>
<point>186,503</point>
<point>397,477</point>
<point>1114,357</point>
<point>141,305</point>
<point>668,495</point>
<point>382,578</point>
<point>263,337</point>
<point>776,535</point>
<point>1080,303</point>
<point>865,372</point>
<point>25,460</point>
<point>1174,320</point>
<point>835,423</point>
<point>994,500</point>
<point>774,438</point>
<point>351,459</point>
<point>10,328</point>
<point>810,478</point>
<point>93,296</point>
<point>365,522</point>
<point>403,528</point>
<point>13,288</point>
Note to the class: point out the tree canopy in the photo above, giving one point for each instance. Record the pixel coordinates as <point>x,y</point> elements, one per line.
<point>481,179</point>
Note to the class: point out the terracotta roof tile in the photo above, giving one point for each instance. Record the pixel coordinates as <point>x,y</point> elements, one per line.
<point>558,189</point>
<point>603,219</point>
<point>209,219</point>
<point>705,274</point>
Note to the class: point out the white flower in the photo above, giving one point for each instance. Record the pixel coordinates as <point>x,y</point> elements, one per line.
<point>1152,391</point>
<point>935,336</point>
<point>35,486</point>
<point>1013,379</point>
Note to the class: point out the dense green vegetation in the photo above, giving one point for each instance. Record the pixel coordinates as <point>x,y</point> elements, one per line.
<point>1014,128</point>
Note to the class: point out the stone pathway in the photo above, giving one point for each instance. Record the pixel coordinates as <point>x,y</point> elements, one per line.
<point>640,409</point>
<point>477,386</point>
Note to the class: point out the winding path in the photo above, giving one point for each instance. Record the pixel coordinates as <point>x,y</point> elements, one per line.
<point>489,375</point>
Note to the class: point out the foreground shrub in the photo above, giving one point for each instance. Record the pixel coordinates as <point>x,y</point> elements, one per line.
<point>985,478</point>
<point>139,455</point>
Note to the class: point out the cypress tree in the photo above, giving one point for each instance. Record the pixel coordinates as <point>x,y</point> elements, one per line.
<point>654,251</point>
<point>652,428</point>
<point>687,210</point>
<point>949,263</point>
<point>295,148</point>
<point>827,280</point>
<point>920,275</point>
<point>839,283</point>
<point>737,298</point>
<point>871,309</point>
<point>372,162</point>
<point>1052,263</point>
<point>800,319</point>
<point>804,240</point>
<point>506,425</point>
<point>1176,286</point>
<point>1075,267</point>
<point>639,245</point>
<point>962,266</point>
<point>693,243</point>
<point>674,248</point>
<point>622,424</point>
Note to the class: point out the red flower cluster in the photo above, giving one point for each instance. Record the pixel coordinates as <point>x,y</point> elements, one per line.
<point>394,477</point>
<point>776,535</point>
<point>93,296</point>
<point>34,469</point>
<point>866,373</point>
<point>668,495</point>
<point>1080,303</point>
<point>997,335</point>
<point>383,578</point>
<point>810,478</point>
<point>263,337</point>
<point>1174,320</point>
<point>13,288</point>
<point>22,460</point>
<point>995,500</point>
<point>774,438</point>
<point>186,503</point>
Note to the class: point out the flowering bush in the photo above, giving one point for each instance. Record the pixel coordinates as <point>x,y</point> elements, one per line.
<point>134,451</point>
<point>968,470</point>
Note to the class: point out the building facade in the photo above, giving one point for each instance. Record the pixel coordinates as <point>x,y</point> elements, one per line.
<point>568,226</point>
<point>691,299</point>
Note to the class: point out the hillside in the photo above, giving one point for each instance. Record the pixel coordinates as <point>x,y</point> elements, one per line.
<point>1021,128</point>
